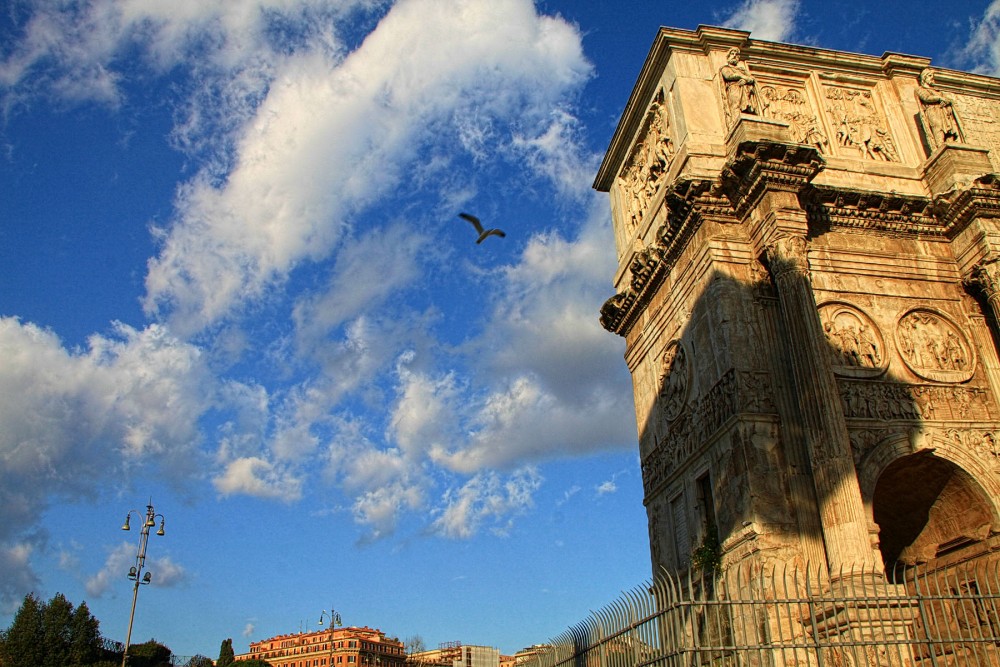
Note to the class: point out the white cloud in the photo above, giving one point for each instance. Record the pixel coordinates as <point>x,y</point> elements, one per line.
<point>164,572</point>
<point>254,476</point>
<point>608,486</point>
<point>772,20</point>
<point>486,496</point>
<point>75,418</point>
<point>983,48</point>
<point>301,149</point>
<point>366,273</point>
<point>331,136</point>
<point>18,576</point>
<point>70,50</point>
<point>425,411</point>
<point>554,382</point>
<point>126,401</point>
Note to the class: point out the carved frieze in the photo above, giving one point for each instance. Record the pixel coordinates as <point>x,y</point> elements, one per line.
<point>789,105</point>
<point>885,401</point>
<point>980,121</point>
<point>878,400</point>
<point>864,440</point>
<point>737,392</point>
<point>646,166</point>
<point>674,380</point>
<point>934,347</point>
<point>985,444</point>
<point>859,129</point>
<point>857,347</point>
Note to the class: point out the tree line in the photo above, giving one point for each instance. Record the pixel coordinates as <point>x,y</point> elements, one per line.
<point>57,634</point>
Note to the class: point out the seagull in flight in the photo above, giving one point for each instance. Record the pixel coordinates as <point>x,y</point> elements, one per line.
<point>483,233</point>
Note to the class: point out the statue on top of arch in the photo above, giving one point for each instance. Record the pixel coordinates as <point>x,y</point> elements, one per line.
<point>937,113</point>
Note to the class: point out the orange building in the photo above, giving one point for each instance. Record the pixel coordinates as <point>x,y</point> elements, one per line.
<point>339,647</point>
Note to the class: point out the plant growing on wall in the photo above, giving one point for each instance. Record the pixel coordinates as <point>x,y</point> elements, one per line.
<point>707,556</point>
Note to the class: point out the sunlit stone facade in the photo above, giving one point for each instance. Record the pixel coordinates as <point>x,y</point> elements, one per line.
<point>336,647</point>
<point>808,288</point>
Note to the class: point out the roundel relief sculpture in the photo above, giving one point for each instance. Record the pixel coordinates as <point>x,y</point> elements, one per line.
<point>674,380</point>
<point>933,347</point>
<point>857,348</point>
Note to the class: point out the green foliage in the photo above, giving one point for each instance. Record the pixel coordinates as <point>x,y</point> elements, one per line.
<point>226,655</point>
<point>51,634</point>
<point>254,662</point>
<point>707,557</point>
<point>199,661</point>
<point>149,654</point>
<point>21,643</point>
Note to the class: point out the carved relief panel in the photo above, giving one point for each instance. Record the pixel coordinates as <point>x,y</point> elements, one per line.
<point>859,127</point>
<point>643,171</point>
<point>675,379</point>
<point>933,347</point>
<point>980,120</point>
<point>789,104</point>
<point>857,347</point>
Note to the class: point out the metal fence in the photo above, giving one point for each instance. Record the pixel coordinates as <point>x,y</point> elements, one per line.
<point>775,617</point>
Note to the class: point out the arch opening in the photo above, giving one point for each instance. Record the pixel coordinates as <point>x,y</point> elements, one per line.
<point>927,507</point>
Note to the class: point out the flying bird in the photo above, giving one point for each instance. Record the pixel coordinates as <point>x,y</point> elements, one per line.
<point>483,233</point>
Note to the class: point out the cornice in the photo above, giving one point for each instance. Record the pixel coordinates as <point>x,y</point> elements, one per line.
<point>757,166</point>
<point>958,208</point>
<point>896,214</point>
<point>689,204</point>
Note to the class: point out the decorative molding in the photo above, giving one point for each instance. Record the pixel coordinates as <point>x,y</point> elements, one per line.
<point>979,199</point>
<point>689,204</point>
<point>865,210</point>
<point>757,166</point>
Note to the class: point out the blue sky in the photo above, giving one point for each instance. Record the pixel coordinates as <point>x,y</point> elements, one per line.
<point>234,281</point>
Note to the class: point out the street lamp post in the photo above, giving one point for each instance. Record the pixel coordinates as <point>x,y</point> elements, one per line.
<point>135,572</point>
<point>334,622</point>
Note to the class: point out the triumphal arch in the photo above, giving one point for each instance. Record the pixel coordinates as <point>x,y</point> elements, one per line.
<point>808,285</point>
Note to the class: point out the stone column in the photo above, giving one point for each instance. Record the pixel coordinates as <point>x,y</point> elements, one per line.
<point>842,514</point>
<point>763,178</point>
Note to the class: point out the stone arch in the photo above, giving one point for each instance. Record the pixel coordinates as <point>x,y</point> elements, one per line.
<point>927,496</point>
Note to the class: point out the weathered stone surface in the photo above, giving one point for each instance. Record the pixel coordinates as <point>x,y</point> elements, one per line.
<point>808,245</point>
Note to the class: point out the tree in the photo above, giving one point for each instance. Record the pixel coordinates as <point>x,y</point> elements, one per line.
<point>57,620</point>
<point>414,644</point>
<point>199,661</point>
<point>254,662</point>
<point>51,634</point>
<point>21,644</point>
<point>226,655</point>
<point>85,642</point>
<point>149,654</point>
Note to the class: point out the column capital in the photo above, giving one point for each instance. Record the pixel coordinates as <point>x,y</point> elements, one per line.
<point>986,275</point>
<point>788,253</point>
